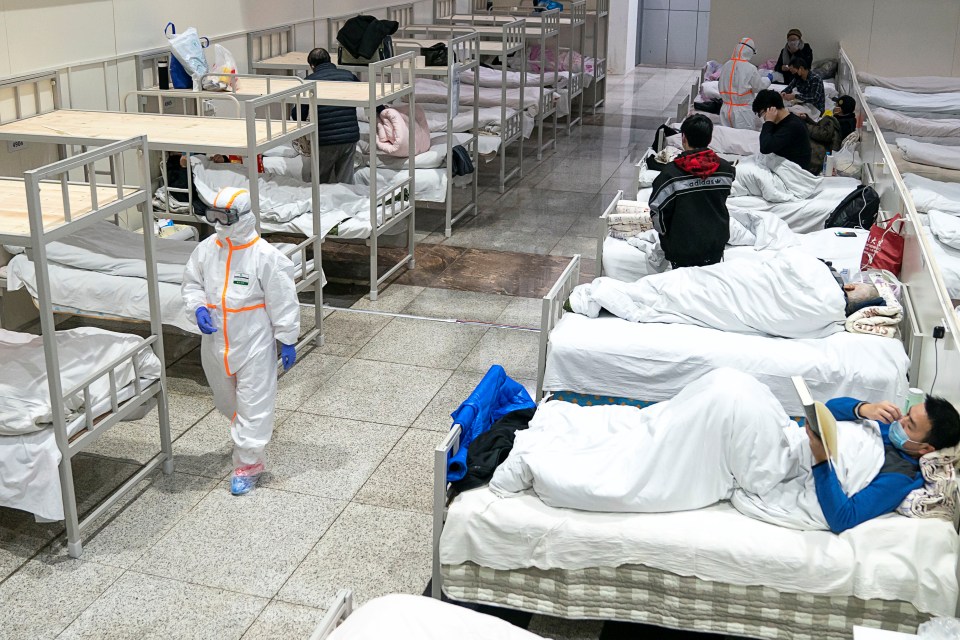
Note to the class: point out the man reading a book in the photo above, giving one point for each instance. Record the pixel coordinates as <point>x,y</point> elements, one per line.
<point>925,427</point>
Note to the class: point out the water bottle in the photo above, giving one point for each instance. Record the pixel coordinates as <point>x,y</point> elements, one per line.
<point>163,74</point>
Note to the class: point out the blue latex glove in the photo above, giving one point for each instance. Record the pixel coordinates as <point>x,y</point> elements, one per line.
<point>204,321</point>
<point>288,355</point>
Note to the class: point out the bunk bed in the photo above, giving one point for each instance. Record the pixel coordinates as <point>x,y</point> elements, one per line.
<point>247,137</point>
<point>105,377</point>
<point>272,50</point>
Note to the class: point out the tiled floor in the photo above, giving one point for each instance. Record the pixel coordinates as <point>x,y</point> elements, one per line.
<point>346,502</point>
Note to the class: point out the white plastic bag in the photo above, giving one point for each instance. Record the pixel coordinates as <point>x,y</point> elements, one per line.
<point>940,629</point>
<point>187,49</point>
<point>223,63</point>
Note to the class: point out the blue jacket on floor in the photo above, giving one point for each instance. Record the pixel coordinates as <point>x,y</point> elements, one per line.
<point>899,475</point>
<point>495,396</point>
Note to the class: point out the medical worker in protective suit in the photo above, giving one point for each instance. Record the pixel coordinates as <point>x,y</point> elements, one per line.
<point>241,292</point>
<point>739,81</point>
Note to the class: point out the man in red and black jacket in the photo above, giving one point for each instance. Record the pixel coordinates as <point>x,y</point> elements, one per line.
<point>688,205</point>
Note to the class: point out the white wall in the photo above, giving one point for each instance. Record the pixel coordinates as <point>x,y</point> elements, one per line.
<point>622,48</point>
<point>888,37</point>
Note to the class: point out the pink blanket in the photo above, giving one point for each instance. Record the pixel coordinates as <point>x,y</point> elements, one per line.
<point>393,132</point>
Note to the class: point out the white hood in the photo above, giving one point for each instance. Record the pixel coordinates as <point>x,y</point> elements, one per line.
<point>745,49</point>
<point>241,232</point>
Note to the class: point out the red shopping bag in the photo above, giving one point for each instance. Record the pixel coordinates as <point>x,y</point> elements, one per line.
<point>884,248</point>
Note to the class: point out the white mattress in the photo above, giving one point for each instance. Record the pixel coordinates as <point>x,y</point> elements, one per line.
<point>932,103</point>
<point>653,362</point>
<point>935,155</point>
<point>710,89</point>
<point>923,127</point>
<point>915,84</point>
<point>891,557</point>
<point>905,166</point>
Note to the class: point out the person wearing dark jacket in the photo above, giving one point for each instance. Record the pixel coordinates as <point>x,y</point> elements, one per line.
<point>824,137</point>
<point>782,133</point>
<point>845,111</point>
<point>688,204</point>
<point>337,129</point>
<point>795,47</point>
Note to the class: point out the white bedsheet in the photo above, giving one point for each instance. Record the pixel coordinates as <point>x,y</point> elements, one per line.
<point>920,127</point>
<point>943,231</point>
<point>407,617</point>
<point>494,78</point>
<point>941,103</point>
<point>431,184</point>
<point>891,557</point>
<point>435,91</point>
<point>934,173</point>
<point>711,89</point>
<point>653,362</point>
<point>28,451</point>
<point>929,194</point>
<point>728,141</point>
<point>935,155</point>
<point>774,178</point>
<point>100,294</point>
<point>803,216</point>
<point>914,84</point>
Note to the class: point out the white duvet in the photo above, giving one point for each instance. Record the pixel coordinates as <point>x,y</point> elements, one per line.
<point>435,91</point>
<point>920,127</point>
<point>943,231</point>
<point>728,141</point>
<point>724,437</point>
<point>803,216</point>
<point>711,89</point>
<point>787,294</point>
<point>933,195</point>
<point>935,155</point>
<point>933,103</point>
<point>495,78</point>
<point>775,179</point>
<point>913,84</point>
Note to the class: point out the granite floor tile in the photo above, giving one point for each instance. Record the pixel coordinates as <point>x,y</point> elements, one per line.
<point>460,305</point>
<point>302,381</point>
<point>284,621</point>
<point>424,343</point>
<point>42,598</point>
<point>143,606</point>
<point>571,245</point>
<point>390,300</point>
<point>326,457</point>
<point>436,416</point>
<point>127,530</point>
<point>21,537</point>
<point>373,550</point>
<point>515,350</point>
<point>412,460</point>
<point>379,392</point>
<point>249,544</point>
<point>522,312</point>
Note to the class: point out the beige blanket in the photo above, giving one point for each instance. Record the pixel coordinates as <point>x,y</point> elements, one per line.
<point>937,498</point>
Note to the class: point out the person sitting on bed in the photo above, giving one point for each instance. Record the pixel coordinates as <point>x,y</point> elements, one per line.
<point>688,204</point>
<point>795,47</point>
<point>726,436</point>
<point>825,137</point>
<point>782,133</point>
<point>806,89</point>
<point>845,112</point>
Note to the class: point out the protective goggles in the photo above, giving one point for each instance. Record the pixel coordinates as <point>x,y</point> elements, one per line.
<point>222,216</point>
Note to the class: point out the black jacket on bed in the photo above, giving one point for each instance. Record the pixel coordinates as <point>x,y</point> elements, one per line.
<point>335,125</point>
<point>363,35</point>
<point>688,207</point>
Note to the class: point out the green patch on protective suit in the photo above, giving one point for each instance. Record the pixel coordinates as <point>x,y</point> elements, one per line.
<point>241,279</point>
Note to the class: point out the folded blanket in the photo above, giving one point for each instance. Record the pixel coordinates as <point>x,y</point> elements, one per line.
<point>393,131</point>
<point>937,498</point>
<point>934,155</point>
<point>878,321</point>
<point>628,225</point>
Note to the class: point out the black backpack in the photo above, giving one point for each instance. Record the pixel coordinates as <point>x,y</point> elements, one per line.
<point>857,211</point>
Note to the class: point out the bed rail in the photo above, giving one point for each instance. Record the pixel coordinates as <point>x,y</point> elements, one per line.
<point>602,228</point>
<point>402,13</point>
<point>185,97</point>
<point>29,96</point>
<point>443,9</point>
<point>269,43</point>
<point>683,109</point>
<point>149,62</point>
<point>268,79</point>
<point>449,446</point>
<point>341,608</point>
<point>551,312</point>
<point>334,24</point>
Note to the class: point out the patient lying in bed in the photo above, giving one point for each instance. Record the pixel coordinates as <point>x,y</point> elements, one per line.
<point>726,437</point>
<point>789,294</point>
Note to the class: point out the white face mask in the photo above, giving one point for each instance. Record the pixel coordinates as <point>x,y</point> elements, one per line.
<point>794,45</point>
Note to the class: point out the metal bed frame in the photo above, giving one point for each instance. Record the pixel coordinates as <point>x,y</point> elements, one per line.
<point>339,611</point>
<point>36,243</point>
<point>277,133</point>
<point>510,40</point>
<point>402,13</point>
<point>549,30</point>
<point>462,54</point>
<point>266,44</point>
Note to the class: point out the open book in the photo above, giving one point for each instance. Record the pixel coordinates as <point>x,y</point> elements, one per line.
<point>821,421</point>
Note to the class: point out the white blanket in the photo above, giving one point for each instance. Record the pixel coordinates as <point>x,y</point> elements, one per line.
<point>940,103</point>
<point>728,141</point>
<point>711,89</point>
<point>773,178</point>
<point>724,437</point>
<point>495,78</point>
<point>435,91</point>
<point>919,127</point>
<point>946,256</point>
<point>934,155</point>
<point>913,84</point>
<point>803,216</point>
<point>933,195</point>
<point>945,227</point>
<point>789,294</point>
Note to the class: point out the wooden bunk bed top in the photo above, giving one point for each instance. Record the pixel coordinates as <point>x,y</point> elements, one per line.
<point>290,60</point>
<point>15,221</point>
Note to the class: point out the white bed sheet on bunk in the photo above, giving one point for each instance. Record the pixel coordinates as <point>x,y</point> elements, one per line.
<point>943,232</point>
<point>891,557</point>
<point>494,78</point>
<point>934,155</point>
<point>711,89</point>
<point>431,184</point>
<point>929,194</point>
<point>653,362</point>
<point>728,141</point>
<point>904,166</point>
<point>803,216</point>
<point>914,84</point>
<point>108,295</point>
<point>434,91</point>
<point>930,103</point>
<point>890,120</point>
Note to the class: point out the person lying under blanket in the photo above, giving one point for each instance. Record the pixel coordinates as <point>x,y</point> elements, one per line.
<point>725,437</point>
<point>789,294</point>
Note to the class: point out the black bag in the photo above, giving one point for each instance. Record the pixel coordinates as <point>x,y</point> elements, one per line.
<point>710,106</point>
<point>435,56</point>
<point>462,164</point>
<point>857,211</point>
<point>384,51</point>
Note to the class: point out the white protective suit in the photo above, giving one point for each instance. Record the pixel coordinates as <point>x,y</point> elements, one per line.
<point>724,437</point>
<point>739,82</point>
<point>248,286</point>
